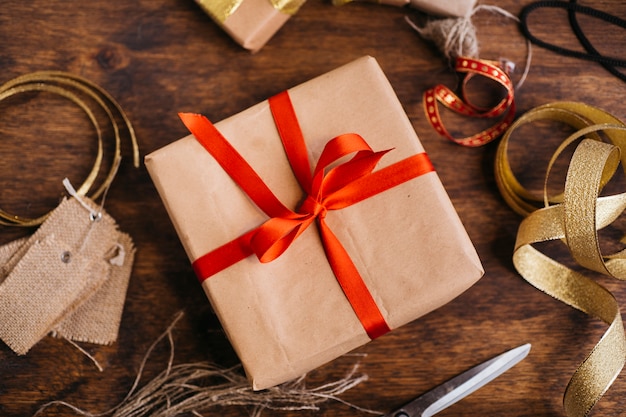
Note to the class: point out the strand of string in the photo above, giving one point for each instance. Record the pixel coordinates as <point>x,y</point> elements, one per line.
<point>72,192</point>
<point>457,36</point>
<point>87,354</point>
<point>94,215</point>
<point>195,387</point>
<point>112,411</point>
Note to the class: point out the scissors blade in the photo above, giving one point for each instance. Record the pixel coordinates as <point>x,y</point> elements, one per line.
<point>461,385</point>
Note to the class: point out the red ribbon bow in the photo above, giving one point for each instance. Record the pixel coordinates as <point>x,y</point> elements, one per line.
<point>328,187</point>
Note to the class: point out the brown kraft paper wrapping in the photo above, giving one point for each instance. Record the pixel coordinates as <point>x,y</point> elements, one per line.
<point>448,8</point>
<point>252,23</point>
<point>289,316</point>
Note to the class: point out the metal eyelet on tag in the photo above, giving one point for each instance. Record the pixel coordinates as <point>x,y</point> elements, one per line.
<point>66,257</point>
<point>69,301</point>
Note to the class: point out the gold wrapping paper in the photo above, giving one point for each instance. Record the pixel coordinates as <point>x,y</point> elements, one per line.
<point>251,23</point>
<point>290,316</point>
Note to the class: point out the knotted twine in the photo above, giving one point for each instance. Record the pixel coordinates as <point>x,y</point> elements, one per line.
<point>457,36</point>
<point>457,40</point>
<point>574,218</point>
<point>70,277</point>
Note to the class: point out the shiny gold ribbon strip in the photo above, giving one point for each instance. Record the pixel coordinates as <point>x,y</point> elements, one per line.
<point>221,10</point>
<point>574,218</point>
<point>87,96</point>
<point>574,114</point>
<point>287,6</point>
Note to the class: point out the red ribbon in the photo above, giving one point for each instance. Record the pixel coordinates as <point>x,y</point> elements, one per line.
<point>442,94</point>
<point>326,188</point>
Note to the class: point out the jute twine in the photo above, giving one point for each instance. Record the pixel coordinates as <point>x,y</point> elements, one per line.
<point>196,388</point>
<point>457,36</point>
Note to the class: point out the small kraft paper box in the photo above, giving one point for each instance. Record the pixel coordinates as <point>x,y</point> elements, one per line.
<point>251,23</point>
<point>406,243</point>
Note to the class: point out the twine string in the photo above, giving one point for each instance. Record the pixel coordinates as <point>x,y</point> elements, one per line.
<point>457,36</point>
<point>197,387</point>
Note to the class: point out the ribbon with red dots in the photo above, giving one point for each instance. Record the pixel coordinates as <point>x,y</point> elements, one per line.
<point>505,109</point>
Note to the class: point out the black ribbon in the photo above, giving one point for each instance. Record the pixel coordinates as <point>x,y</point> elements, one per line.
<point>591,54</point>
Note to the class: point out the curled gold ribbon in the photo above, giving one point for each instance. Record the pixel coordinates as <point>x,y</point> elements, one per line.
<point>574,218</point>
<point>574,114</point>
<point>87,96</point>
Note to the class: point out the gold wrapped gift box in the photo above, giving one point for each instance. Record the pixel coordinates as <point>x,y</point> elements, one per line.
<point>289,316</point>
<point>251,23</point>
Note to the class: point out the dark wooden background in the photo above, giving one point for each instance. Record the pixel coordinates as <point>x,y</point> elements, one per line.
<point>160,57</point>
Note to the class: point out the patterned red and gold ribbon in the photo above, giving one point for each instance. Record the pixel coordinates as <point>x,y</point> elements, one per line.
<point>574,218</point>
<point>440,94</point>
<point>326,188</point>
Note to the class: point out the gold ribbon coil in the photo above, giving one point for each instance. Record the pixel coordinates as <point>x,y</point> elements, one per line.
<point>574,218</point>
<point>220,10</point>
<point>87,96</point>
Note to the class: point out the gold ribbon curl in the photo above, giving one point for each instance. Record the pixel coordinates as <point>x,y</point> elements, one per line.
<point>575,217</point>
<point>87,96</point>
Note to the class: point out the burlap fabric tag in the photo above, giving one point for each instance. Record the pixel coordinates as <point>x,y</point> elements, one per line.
<point>69,278</point>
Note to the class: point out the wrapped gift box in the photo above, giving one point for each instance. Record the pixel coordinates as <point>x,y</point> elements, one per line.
<point>448,8</point>
<point>251,23</point>
<point>289,316</point>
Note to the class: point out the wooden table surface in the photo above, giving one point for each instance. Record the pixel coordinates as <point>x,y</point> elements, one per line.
<point>160,57</point>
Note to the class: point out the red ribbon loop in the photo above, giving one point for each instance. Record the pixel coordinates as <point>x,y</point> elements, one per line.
<point>463,106</point>
<point>332,185</point>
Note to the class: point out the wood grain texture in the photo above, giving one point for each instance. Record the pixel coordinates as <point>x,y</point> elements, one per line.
<point>161,57</point>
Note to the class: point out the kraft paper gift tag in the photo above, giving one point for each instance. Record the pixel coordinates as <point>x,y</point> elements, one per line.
<point>69,278</point>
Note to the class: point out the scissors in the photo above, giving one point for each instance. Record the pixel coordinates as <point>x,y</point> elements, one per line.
<point>462,385</point>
